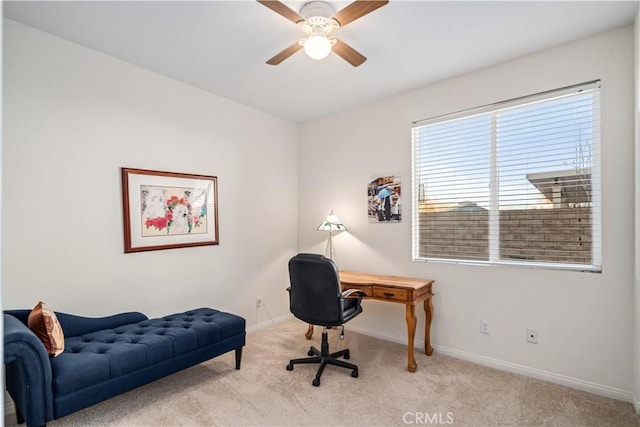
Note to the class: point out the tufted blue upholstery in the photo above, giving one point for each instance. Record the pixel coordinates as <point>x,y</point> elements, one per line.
<point>102,363</point>
<point>109,353</point>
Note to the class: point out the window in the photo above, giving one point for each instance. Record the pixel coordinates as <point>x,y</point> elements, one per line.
<point>512,183</point>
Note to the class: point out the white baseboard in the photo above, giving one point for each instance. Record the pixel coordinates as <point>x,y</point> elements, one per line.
<point>598,389</point>
<point>267,323</point>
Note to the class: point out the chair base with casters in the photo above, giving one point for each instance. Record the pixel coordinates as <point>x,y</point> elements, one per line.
<point>324,358</point>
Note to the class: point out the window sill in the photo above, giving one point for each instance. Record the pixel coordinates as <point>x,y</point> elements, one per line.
<point>537,265</point>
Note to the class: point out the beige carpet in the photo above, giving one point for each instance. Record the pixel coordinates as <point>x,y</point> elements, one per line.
<point>444,390</point>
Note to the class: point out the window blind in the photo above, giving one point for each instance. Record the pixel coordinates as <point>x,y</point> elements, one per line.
<point>516,182</point>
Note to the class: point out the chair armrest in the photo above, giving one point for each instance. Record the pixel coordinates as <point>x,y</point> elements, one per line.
<point>360,294</point>
<point>349,292</point>
<point>352,295</point>
<point>74,326</point>
<point>28,372</point>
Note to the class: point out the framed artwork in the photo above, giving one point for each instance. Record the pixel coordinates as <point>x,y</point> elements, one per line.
<point>384,201</point>
<point>166,210</point>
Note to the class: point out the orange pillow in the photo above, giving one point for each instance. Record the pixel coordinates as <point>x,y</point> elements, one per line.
<point>44,323</point>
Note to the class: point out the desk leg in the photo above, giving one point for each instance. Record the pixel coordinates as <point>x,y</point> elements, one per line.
<point>309,333</point>
<point>411,334</point>
<point>428,311</point>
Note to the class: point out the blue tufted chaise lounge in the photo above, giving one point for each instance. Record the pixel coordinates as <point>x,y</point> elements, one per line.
<point>106,356</point>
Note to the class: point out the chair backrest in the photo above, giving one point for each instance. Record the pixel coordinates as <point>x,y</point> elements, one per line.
<point>315,293</point>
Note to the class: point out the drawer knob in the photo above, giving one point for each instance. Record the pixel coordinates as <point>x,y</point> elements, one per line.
<point>388,294</point>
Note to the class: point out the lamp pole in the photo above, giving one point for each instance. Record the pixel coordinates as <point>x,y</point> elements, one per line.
<point>329,247</point>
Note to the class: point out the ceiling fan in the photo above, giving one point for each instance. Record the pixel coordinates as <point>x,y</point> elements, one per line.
<point>318,20</point>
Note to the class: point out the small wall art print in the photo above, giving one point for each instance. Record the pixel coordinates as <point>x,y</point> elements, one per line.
<point>166,210</point>
<point>384,199</point>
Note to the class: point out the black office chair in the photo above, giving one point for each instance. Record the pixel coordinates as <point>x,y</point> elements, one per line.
<point>315,297</point>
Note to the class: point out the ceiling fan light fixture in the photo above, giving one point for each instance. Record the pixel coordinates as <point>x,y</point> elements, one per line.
<point>317,47</point>
<point>318,20</point>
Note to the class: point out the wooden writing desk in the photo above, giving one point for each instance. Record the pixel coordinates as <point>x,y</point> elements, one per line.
<point>403,290</point>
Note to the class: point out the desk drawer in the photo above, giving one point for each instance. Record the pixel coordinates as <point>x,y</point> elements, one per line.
<point>393,294</point>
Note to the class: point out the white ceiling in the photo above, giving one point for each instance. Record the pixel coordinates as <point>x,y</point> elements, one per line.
<point>222,46</point>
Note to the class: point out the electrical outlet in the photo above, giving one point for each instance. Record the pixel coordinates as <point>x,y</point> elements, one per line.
<point>258,302</point>
<point>485,327</point>
<point>532,336</point>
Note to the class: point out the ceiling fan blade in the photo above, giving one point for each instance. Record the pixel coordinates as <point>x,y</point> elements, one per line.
<point>283,10</point>
<point>348,53</point>
<point>285,54</point>
<point>357,9</point>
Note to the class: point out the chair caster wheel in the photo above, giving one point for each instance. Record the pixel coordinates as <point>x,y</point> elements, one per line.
<point>310,352</point>
<point>347,355</point>
<point>316,382</point>
<point>289,367</point>
<point>354,373</point>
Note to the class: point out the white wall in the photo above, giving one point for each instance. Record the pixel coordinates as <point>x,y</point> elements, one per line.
<point>636,299</point>
<point>584,320</point>
<point>72,118</point>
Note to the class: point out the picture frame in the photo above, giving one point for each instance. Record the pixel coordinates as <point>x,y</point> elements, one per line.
<point>168,210</point>
<point>384,199</point>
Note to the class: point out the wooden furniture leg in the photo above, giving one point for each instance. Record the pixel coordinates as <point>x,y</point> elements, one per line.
<point>411,333</point>
<point>238,357</point>
<point>309,333</point>
<point>428,311</point>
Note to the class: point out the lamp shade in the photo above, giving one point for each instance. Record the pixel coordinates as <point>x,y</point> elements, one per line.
<point>332,223</point>
<point>317,47</point>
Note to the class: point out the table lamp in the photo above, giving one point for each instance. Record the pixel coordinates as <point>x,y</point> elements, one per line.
<point>331,224</point>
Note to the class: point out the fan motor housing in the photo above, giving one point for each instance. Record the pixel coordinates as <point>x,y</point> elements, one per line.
<point>317,8</point>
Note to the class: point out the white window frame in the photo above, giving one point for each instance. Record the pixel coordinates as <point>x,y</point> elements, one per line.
<point>494,235</point>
